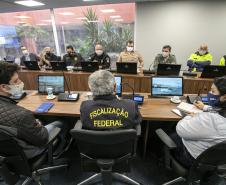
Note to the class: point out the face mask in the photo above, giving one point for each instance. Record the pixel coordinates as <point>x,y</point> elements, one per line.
<point>129,49</point>
<point>48,53</point>
<point>25,52</point>
<point>99,52</point>
<point>165,54</point>
<point>201,52</point>
<point>16,89</point>
<point>213,100</point>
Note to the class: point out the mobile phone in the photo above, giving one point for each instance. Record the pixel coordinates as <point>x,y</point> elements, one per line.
<point>44,107</point>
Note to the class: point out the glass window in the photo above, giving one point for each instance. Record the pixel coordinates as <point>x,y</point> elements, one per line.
<point>82,27</point>
<point>32,29</point>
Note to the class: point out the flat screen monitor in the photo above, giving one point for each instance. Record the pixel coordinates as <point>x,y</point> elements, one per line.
<point>168,69</point>
<point>56,82</point>
<point>166,86</point>
<point>118,81</point>
<point>213,71</point>
<point>126,67</point>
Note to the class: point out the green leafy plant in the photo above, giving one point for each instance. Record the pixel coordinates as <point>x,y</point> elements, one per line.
<point>29,31</point>
<point>113,36</point>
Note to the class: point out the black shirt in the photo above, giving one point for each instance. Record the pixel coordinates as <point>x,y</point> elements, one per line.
<point>73,60</point>
<point>108,112</point>
<point>103,60</point>
<point>51,57</point>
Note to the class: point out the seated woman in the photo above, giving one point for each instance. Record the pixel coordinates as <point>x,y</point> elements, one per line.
<point>198,132</point>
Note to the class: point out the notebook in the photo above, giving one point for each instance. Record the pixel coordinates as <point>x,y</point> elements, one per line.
<point>188,108</point>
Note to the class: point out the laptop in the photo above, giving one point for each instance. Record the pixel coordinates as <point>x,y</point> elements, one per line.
<point>58,65</point>
<point>90,66</point>
<point>166,86</point>
<point>118,81</point>
<point>212,71</point>
<point>168,69</point>
<point>126,67</point>
<point>56,82</point>
<point>32,65</point>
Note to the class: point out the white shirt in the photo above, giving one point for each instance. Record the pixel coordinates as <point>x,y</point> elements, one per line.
<point>201,131</point>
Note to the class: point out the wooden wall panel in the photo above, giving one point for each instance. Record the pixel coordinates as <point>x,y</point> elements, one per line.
<point>78,81</point>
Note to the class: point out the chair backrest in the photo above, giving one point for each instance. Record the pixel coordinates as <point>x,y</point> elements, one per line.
<point>12,156</point>
<point>105,144</point>
<point>215,155</point>
<point>209,160</point>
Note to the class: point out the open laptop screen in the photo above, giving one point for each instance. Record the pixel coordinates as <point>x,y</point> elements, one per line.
<point>56,82</point>
<point>118,81</point>
<point>166,86</point>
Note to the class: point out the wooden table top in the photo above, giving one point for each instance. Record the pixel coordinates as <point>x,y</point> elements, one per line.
<point>153,109</point>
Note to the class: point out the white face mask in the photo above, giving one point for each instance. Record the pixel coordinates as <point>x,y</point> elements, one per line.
<point>129,49</point>
<point>165,54</point>
<point>25,52</point>
<point>99,52</point>
<point>16,89</point>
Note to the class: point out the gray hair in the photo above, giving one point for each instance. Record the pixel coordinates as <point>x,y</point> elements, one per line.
<point>101,83</point>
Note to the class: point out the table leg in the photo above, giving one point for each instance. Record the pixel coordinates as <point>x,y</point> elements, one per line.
<point>146,140</point>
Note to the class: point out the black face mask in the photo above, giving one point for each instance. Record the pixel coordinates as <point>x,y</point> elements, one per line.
<point>48,54</point>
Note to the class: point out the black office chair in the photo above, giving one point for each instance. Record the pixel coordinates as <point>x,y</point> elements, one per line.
<point>107,153</point>
<point>212,162</point>
<point>14,163</point>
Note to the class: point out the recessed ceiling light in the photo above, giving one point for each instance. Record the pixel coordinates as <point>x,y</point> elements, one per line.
<point>89,0</point>
<point>115,16</point>
<point>119,20</point>
<point>94,21</point>
<point>108,10</point>
<point>64,23</point>
<point>66,13</point>
<point>29,3</point>
<point>22,17</point>
<point>82,18</point>
<point>21,22</point>
<point>41,24</point>
<point>48,20</point>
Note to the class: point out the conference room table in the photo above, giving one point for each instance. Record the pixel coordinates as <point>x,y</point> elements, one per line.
<point>153,109</point>
<point>141,83</point>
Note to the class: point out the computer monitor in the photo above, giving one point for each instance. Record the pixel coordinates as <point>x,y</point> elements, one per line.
<point>213,71</point>
<point>168,69</point>
<point>118,81</point>
<point>127,67</point>
<point>58,65</point>
<point>166,86</point>
<point>56,82</point>
<point>90,66</point>
<point>32,65</point>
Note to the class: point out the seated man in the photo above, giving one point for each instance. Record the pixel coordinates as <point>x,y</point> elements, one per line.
<point>17,121</point>
<point>223,61</point>
<point>196,133</point>
<point>72,58</point>
<point>165,58</point>
<point>27,56</point>
<point>201,58</point>
<point>129,55</point>
<point>106,111</point>
<point>101,57</point>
